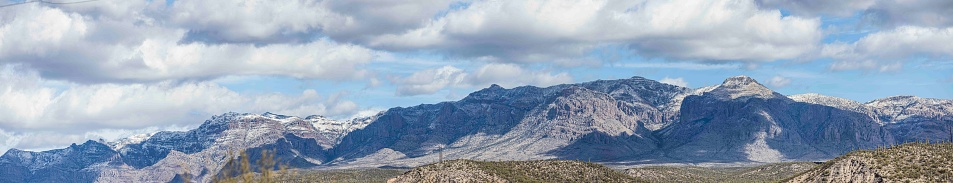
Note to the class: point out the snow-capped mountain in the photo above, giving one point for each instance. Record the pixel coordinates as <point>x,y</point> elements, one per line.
<point>75,163</point>
<point>162,155</point>
<point>741,88</point>
<point>135,139</point>
<point>908,118</point>
<point>900,109</point>
<point>625,120</point>
<point>840,103</point>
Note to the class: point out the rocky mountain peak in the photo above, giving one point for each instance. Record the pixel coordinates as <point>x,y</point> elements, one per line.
<point>314,117</point>
<point>495,87</point>
<point>743,87</point>
<point>899,100</point>
<point>743,82</point>
<point>840,103</point>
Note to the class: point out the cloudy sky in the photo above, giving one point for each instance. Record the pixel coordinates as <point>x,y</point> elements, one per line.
<point>113,68</point>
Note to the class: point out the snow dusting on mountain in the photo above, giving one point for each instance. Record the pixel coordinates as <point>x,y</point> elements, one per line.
<point>135,139</point>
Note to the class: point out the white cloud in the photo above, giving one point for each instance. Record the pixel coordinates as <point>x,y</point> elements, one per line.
<point>365,19</point>
<point>430,81</point>
<point>251,21</point>
<point>546,30</point>
<point>512,75</point>
<point>508,75</point>
<point>680,65</point>
<point>298,20</point>
<point>819,7</point>
<point>883,13</point>
<point>67,45</point>
<point>308,103</point>
<point>779,82</point>
<point>892,13</point>
<point>674,81</point>
<point>885,50</point>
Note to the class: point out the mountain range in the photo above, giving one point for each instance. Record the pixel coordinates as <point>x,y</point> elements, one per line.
<point>634,120</point>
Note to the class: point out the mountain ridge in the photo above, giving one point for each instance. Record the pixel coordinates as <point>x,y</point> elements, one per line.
<point>625,120</point>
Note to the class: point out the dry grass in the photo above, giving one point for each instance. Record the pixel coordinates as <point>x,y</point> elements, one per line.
<point>514,171</point>
<point>764,173</point>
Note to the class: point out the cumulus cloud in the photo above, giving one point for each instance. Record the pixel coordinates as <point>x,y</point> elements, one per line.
<point>885,13</point>
<point>680,65</point>
<point>365,19</point>
<point>779,82</point>
<point>527,31</point>
<point>512,75</point>
<point>67,45</point>
<point>818,7</point>
<point>675,81</point>
<point>508,75</point>
<point>224,21</point>
<point>251,21</point>
<point>430,81</point>
<point>885,50</point>
<point>891,13</point>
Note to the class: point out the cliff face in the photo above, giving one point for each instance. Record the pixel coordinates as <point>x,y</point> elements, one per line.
<point>741,120</point>
<point>908,118</point>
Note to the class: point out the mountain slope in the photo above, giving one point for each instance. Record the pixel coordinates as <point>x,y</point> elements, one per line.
<point>602,120</point>
<point>298,142</point>
<point>71,164</point>
<point>908,118</point>
<point>741,120</point>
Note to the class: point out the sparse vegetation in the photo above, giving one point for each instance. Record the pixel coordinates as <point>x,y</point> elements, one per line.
<point>910,162</point>
<point>764,173</point>
<point>514,171</point>
<point>242,171</point>
<point>343,176</point>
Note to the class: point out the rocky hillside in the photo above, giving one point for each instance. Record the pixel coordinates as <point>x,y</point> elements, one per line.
<point>513,171</point>
<point>911,162</point>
